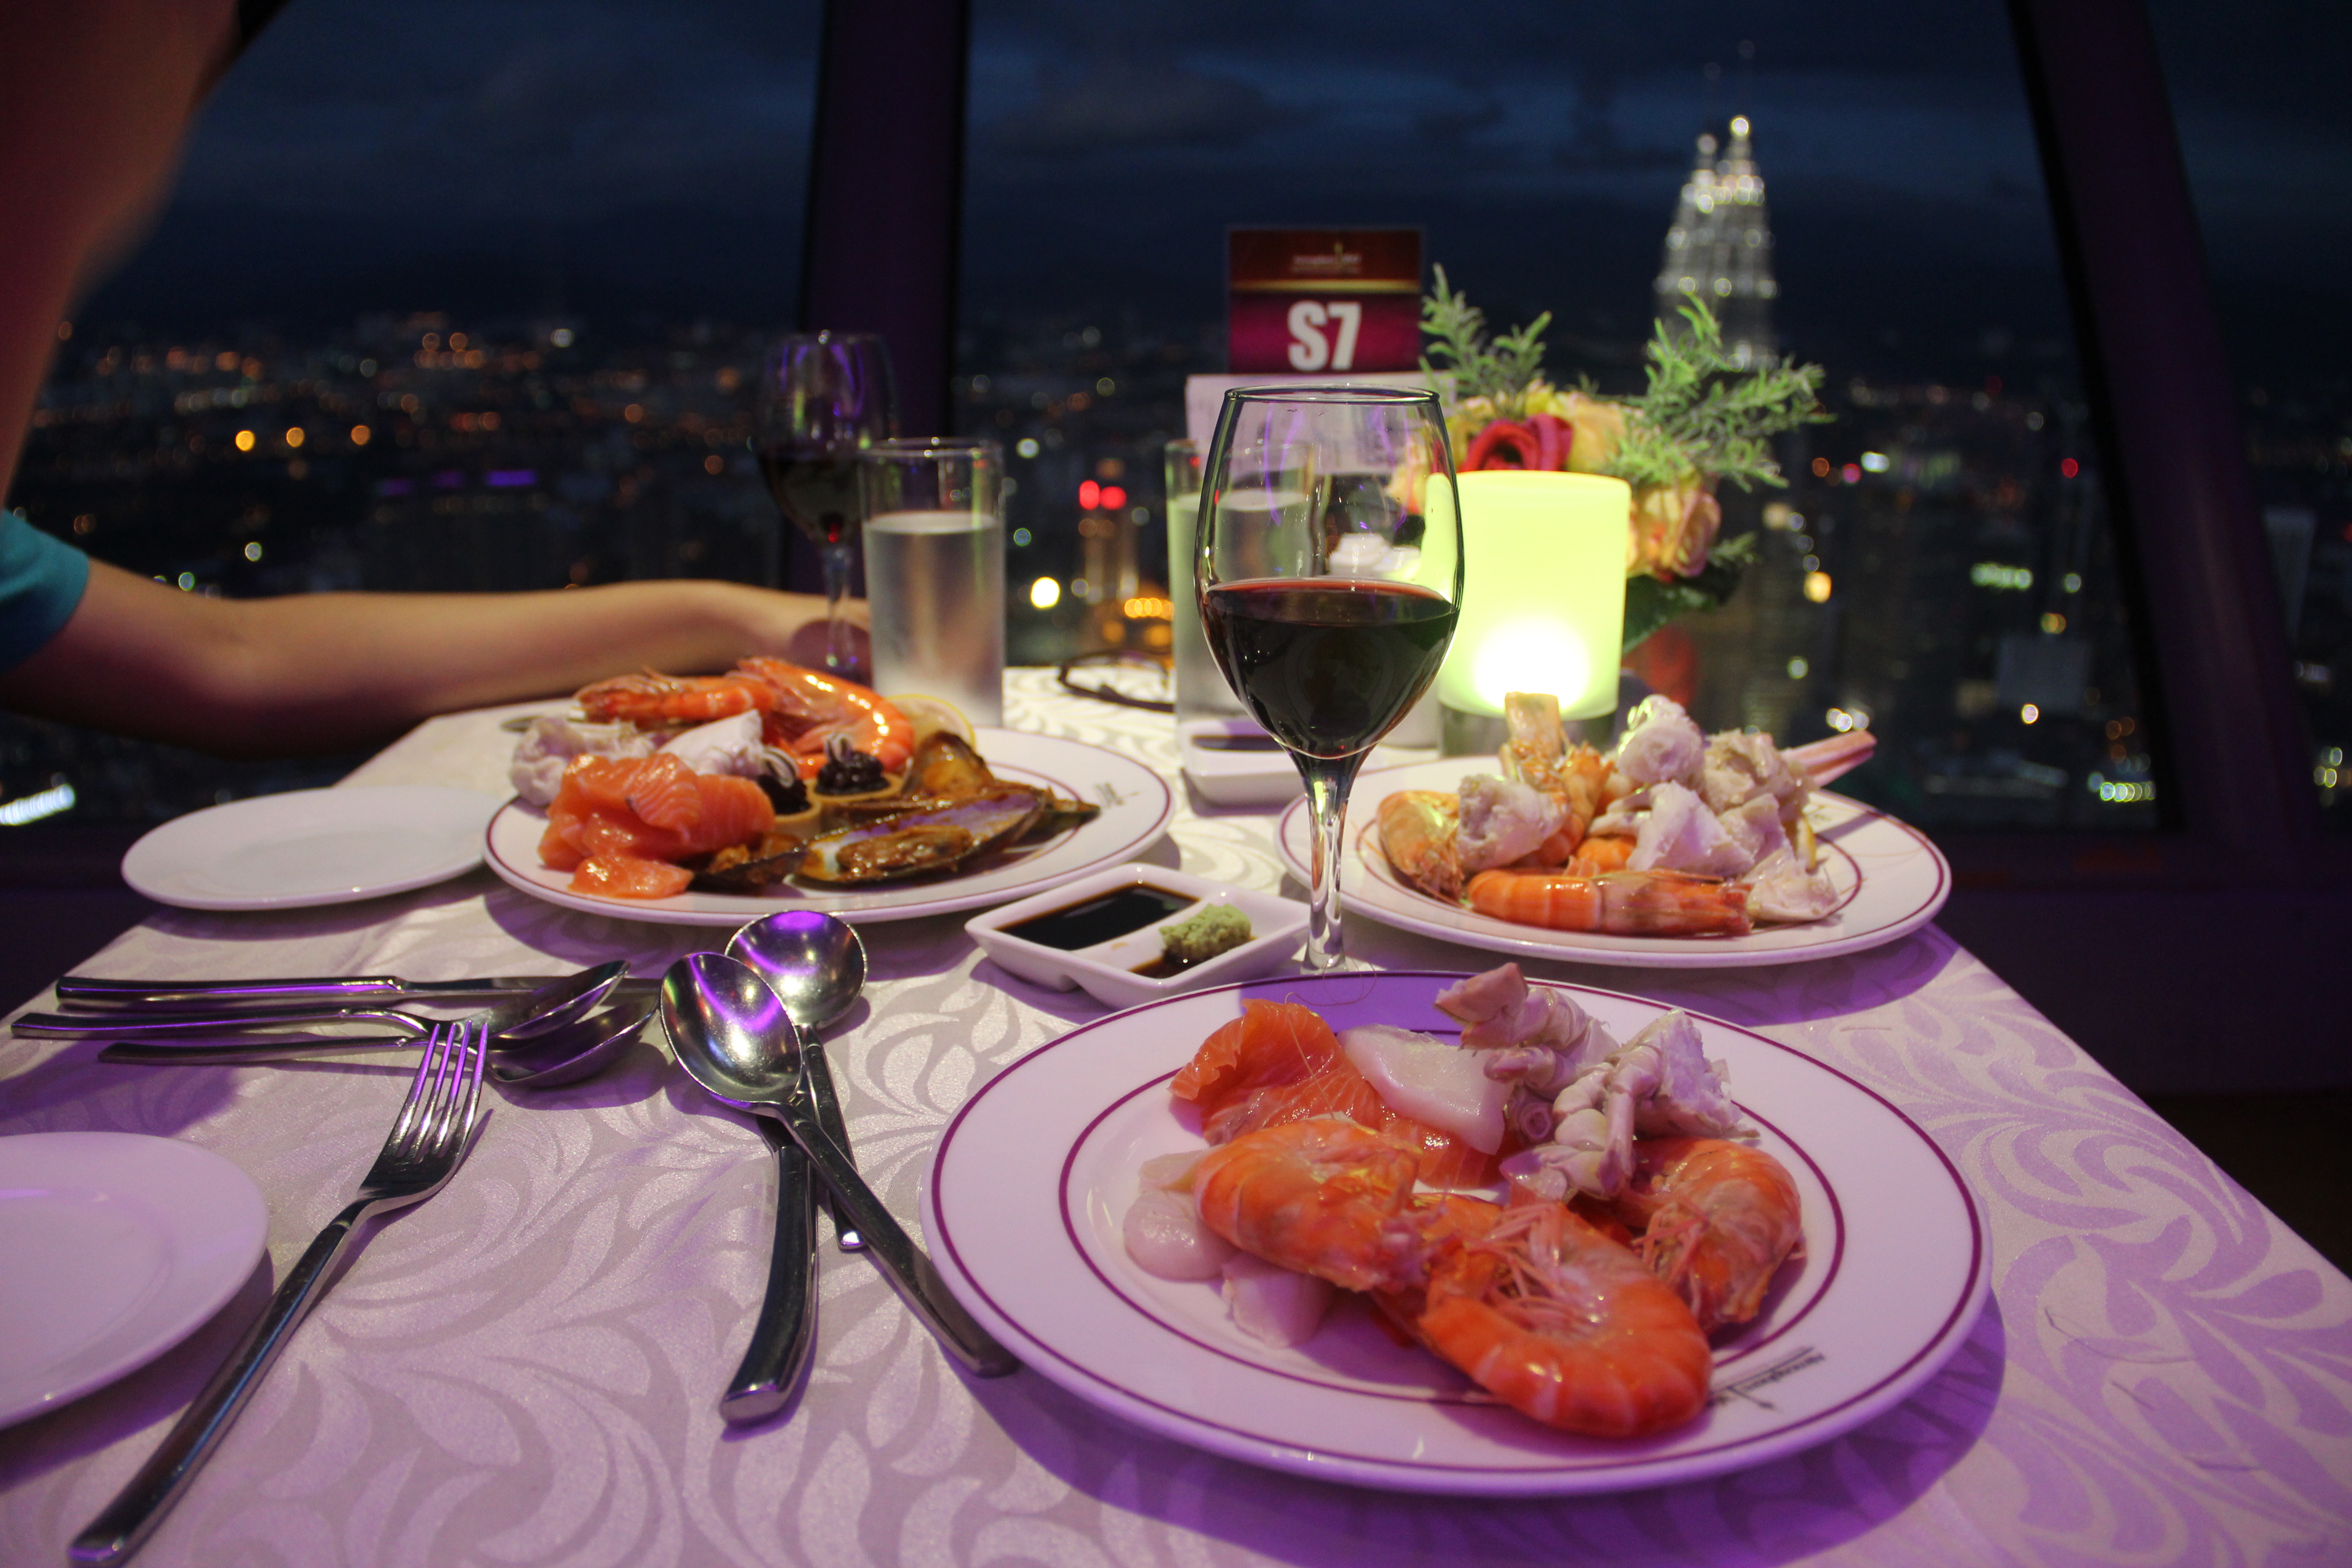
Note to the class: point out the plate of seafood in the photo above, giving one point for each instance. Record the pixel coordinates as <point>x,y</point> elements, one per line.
<point>1454,1234</point>
<point>711,800</point>
<point>1675,849</point>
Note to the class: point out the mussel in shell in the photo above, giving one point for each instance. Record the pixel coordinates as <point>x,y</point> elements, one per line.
<point>945,764</point>
<point>914,843</point>
<point>758,866</point>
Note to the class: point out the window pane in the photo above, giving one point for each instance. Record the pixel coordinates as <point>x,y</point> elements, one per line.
<point>1941,566</point>
<point>447,297</point>
<point>2266,134</point>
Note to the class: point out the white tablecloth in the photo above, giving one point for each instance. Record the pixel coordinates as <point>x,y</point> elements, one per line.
<point>523,1371</point>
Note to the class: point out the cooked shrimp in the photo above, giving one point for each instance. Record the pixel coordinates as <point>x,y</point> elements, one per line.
<point>1324,1197</point>
<point>1620,903</point>
<point>661,701</point>
<point>1567,1326</point>
<point>1538,755</point>
<point>1714,1220</point>
<point>1600,852</point>
<point>1418,834</point>
<point>1436,1221</point>
<point>808,708</point>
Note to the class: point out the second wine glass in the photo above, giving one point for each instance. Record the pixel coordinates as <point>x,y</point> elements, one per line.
<point>823,398</point>
<point>1329,571</point>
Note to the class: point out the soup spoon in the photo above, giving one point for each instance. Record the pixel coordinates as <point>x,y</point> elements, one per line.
<point>816,966</point>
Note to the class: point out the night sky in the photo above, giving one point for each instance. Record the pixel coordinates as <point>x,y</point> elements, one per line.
<point>617,162</point>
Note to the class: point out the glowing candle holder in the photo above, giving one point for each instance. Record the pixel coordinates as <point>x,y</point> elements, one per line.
<point>1543,608</point>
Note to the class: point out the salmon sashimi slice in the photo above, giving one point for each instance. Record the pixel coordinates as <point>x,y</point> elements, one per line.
<point>1279,1062</point>
<point>664,794</point>
<point>630,876</point>
<point>651,809</point>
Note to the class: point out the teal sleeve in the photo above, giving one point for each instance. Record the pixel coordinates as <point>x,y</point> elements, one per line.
<point>41,584</point>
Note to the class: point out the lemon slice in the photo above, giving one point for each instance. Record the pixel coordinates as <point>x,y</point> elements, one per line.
<point>929,715</point>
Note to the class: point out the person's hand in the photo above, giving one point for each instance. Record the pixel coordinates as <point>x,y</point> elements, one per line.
<point>806,644</point>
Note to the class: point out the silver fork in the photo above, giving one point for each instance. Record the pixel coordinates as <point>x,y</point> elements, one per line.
<point>427,1143</point>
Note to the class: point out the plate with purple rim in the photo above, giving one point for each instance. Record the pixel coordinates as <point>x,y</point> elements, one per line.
<point>1033,1176</point>
<point>1890,881</point>
<point>1137,807</point>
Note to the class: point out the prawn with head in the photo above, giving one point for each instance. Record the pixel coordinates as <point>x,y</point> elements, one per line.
<point>807,708</point>
<point>1533,1304</point>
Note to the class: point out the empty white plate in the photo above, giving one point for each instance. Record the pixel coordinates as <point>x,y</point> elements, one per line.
<point>118,1246</point>
<point>311,846</point>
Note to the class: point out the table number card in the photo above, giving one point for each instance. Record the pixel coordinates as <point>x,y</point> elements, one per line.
<point>1308,302</point>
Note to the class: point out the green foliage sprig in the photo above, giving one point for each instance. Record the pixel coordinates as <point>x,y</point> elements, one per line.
<point>1651,603</point>
<point>1705,413</point>
<point>1501,370</point>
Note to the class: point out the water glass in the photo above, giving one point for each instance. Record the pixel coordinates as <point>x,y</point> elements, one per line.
<point>935,571</point>
<point>1201,688</point>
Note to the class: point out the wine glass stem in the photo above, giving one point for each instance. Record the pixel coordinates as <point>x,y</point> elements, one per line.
<point>1328,783</point>
<point>838,657</point>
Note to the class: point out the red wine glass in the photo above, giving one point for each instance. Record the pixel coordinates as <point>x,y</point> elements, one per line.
<point>1329,567</point>
<point>823,398</point>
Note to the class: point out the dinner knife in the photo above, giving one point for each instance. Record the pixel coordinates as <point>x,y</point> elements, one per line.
<point>91,992</point>
<point>918,1282</point>
<point>554,1001</point>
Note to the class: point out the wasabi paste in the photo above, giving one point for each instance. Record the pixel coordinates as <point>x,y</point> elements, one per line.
<point>1218,928</point>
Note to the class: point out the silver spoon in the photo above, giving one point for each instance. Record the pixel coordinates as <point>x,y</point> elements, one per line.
<point>733,1036</point>
<point>576,1051</point>
<point>816,966</point>
<point>582,1051</point>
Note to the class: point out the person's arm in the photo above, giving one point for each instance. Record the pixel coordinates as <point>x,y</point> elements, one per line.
<point>324,672</point>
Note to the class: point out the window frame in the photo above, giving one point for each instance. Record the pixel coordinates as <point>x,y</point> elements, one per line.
<point>2211,640</point>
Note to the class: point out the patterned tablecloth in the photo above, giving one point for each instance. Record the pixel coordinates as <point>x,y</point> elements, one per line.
<point>523,1371</point>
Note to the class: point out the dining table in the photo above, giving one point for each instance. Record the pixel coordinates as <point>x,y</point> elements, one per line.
<point>524,1372</point>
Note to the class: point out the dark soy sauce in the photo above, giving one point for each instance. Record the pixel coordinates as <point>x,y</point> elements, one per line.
<point>1167,963</point>
<point>1099,919</point>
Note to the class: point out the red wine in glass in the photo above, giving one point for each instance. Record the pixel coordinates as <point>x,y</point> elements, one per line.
<point>1329,663</point>
<point>816,489</point>
<point>1328,566</point>
<point>823,398</point>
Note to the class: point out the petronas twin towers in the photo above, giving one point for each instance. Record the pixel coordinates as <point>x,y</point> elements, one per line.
<point>1720,248</point>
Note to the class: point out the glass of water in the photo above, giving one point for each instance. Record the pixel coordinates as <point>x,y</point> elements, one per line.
<point>935,571</point>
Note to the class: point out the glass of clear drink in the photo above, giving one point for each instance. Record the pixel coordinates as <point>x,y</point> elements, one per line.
<point>1201,688</point>
<point>935,571</point>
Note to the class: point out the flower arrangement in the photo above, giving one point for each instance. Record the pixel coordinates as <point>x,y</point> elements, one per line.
<point>1702,419</point>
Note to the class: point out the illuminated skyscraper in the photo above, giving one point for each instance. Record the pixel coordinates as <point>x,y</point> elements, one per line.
<point>1720,248</point>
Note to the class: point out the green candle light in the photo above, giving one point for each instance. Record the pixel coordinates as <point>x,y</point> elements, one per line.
<point>1543,608</point>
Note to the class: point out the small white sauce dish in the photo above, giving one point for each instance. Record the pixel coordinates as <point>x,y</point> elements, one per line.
<point>1106,970</point>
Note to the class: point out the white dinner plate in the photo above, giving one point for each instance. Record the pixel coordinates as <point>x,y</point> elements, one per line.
<point>117,1246</point>
<point>1137,807</point>
<point>1890,880</point>
<point>310,847</point>
<point>1032,1179</point>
